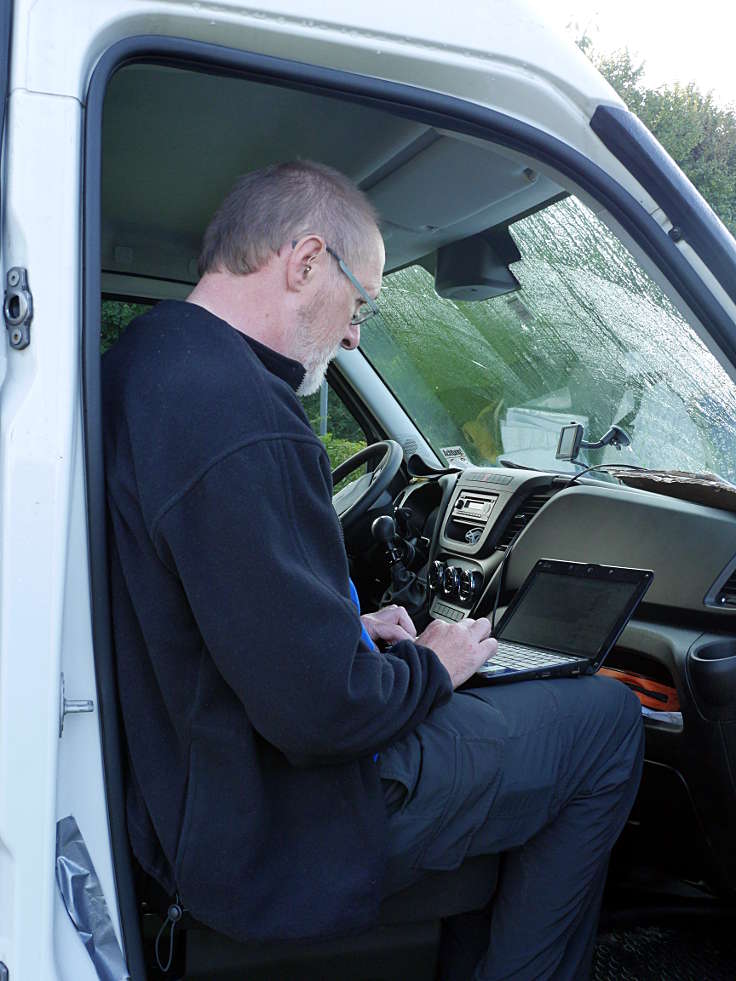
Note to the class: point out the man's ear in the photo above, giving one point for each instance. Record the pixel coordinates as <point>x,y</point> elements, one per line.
<point>305,262</point>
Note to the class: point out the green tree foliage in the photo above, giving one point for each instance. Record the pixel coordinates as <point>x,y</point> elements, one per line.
<point>339,421</point>
<point>699,134</point>
<point>339,450</point>
<point>115,317</point>
<point>344,436</point>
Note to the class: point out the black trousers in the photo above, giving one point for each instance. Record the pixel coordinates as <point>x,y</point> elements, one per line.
<point>542,771</point>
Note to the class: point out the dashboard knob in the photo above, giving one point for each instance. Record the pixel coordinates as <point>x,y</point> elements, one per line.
<point>470,585</point>
<point>451,581</point>
<point>436,575</point>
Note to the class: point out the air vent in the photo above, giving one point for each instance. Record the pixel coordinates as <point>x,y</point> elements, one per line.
<point>727,593</point>
<point>522,518</point>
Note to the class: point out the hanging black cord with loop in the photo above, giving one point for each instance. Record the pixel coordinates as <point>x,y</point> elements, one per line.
<point>173,914</point>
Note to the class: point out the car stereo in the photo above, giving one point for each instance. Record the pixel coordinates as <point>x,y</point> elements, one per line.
<point>473,507</point>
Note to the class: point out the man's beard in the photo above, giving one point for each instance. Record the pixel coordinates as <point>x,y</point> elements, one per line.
<point>311,350</point>
<point>314,374</point>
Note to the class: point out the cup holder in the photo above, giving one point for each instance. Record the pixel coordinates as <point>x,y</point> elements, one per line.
<point>713,671</point>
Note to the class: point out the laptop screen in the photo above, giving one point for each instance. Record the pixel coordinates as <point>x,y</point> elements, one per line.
<point>574,614</point>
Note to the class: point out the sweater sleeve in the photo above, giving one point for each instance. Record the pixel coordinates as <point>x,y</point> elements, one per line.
<point>258,549</point>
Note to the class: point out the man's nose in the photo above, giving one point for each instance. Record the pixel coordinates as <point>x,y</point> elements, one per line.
<point>352,339</point>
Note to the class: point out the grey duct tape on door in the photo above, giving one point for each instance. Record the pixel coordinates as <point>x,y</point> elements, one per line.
<point>85,902</point>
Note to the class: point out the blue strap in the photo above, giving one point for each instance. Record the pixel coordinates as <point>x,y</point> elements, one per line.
<point>364,633</point>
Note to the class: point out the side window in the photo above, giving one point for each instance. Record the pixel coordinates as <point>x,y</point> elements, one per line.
<point>115,317</point>
<point>334,425</point>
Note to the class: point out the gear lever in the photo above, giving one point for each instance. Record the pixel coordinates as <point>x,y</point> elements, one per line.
<point>383,530</point>
<point>404,588</point>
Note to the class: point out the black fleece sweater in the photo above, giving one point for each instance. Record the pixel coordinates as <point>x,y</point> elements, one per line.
<point>252,708</point>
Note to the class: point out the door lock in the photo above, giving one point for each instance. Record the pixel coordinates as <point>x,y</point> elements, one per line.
<point>18,308</point>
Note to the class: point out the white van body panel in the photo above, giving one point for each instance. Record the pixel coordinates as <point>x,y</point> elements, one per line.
<point>80,788</point>
<point>498,54</point>
<point>493,37</point>
<point>503,56</point>
<point>40,445</point>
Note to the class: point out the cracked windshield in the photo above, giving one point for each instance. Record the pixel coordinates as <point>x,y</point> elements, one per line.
<point>587,337</point>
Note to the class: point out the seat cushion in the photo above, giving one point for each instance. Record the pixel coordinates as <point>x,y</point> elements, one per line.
<point>438,895</point>
<point>434,896</point>
<point>405,943</point>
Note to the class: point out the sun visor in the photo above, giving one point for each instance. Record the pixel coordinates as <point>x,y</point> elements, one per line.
<point>477,268</point>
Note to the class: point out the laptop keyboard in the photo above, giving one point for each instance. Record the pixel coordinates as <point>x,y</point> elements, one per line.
<point>518,656</point>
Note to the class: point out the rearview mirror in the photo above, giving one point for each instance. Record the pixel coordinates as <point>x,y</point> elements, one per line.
<point>477,268</point>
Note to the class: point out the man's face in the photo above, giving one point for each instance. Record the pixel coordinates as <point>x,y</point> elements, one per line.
<point>324,320</point>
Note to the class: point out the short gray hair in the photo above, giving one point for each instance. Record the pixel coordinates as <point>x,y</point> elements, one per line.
<point>281,203</point>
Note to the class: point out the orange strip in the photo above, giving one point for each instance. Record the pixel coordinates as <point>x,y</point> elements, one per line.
<point>634,680</point>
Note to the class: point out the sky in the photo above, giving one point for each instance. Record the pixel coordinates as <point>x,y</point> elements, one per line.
<point>693,41</point>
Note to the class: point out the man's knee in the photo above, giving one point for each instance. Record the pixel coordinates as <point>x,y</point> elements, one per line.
<point>625,704</point>
<point>632,732</point>
<point>614,704</point>
<point>606,716</point>
<point>621,751</point>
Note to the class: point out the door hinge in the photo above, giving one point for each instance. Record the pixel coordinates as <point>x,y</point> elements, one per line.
<point>71,706</point>
<point>18,308</point>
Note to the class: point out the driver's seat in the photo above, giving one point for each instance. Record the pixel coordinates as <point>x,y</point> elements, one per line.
<point>404,945</point>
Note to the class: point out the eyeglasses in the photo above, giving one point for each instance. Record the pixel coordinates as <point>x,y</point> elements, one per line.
<point>369,307</point>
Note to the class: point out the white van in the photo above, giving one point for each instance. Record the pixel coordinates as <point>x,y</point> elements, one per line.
<point>547,263</point>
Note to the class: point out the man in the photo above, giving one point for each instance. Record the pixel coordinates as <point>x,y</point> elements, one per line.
<point>284,774</point>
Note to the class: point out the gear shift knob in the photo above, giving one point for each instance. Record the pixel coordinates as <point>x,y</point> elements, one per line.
<point>383,529</point>
<point>404,588</point>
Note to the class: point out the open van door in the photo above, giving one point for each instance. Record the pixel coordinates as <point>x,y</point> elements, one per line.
<point>126,122</point>
<point>5,25</point>
<point>6,896</point>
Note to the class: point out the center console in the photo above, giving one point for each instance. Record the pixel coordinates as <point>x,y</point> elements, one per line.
<point>484,512</point>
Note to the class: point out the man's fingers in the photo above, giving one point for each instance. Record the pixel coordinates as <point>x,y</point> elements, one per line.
<point>392,633</point>
<point>396,614</point>
<point>489,647</point>
<point>404,620</point>
<point>479,629</point>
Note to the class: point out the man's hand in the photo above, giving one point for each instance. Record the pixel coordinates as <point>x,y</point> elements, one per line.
<point>462,647</point>
<point>390,624</point>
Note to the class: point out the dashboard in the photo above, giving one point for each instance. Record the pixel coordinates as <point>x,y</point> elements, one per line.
<point>681,641</point>
<point>690,548</point>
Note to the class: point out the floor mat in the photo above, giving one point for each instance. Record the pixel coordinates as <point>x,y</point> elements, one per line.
<point>705,952</point>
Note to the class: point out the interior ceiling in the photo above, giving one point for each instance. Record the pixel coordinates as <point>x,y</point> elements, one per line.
<point>174,141</point>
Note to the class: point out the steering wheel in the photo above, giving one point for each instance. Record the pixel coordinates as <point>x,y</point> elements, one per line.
<point>352,502</point>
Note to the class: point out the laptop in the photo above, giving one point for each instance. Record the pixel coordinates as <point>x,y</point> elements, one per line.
<point>563,621</point>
